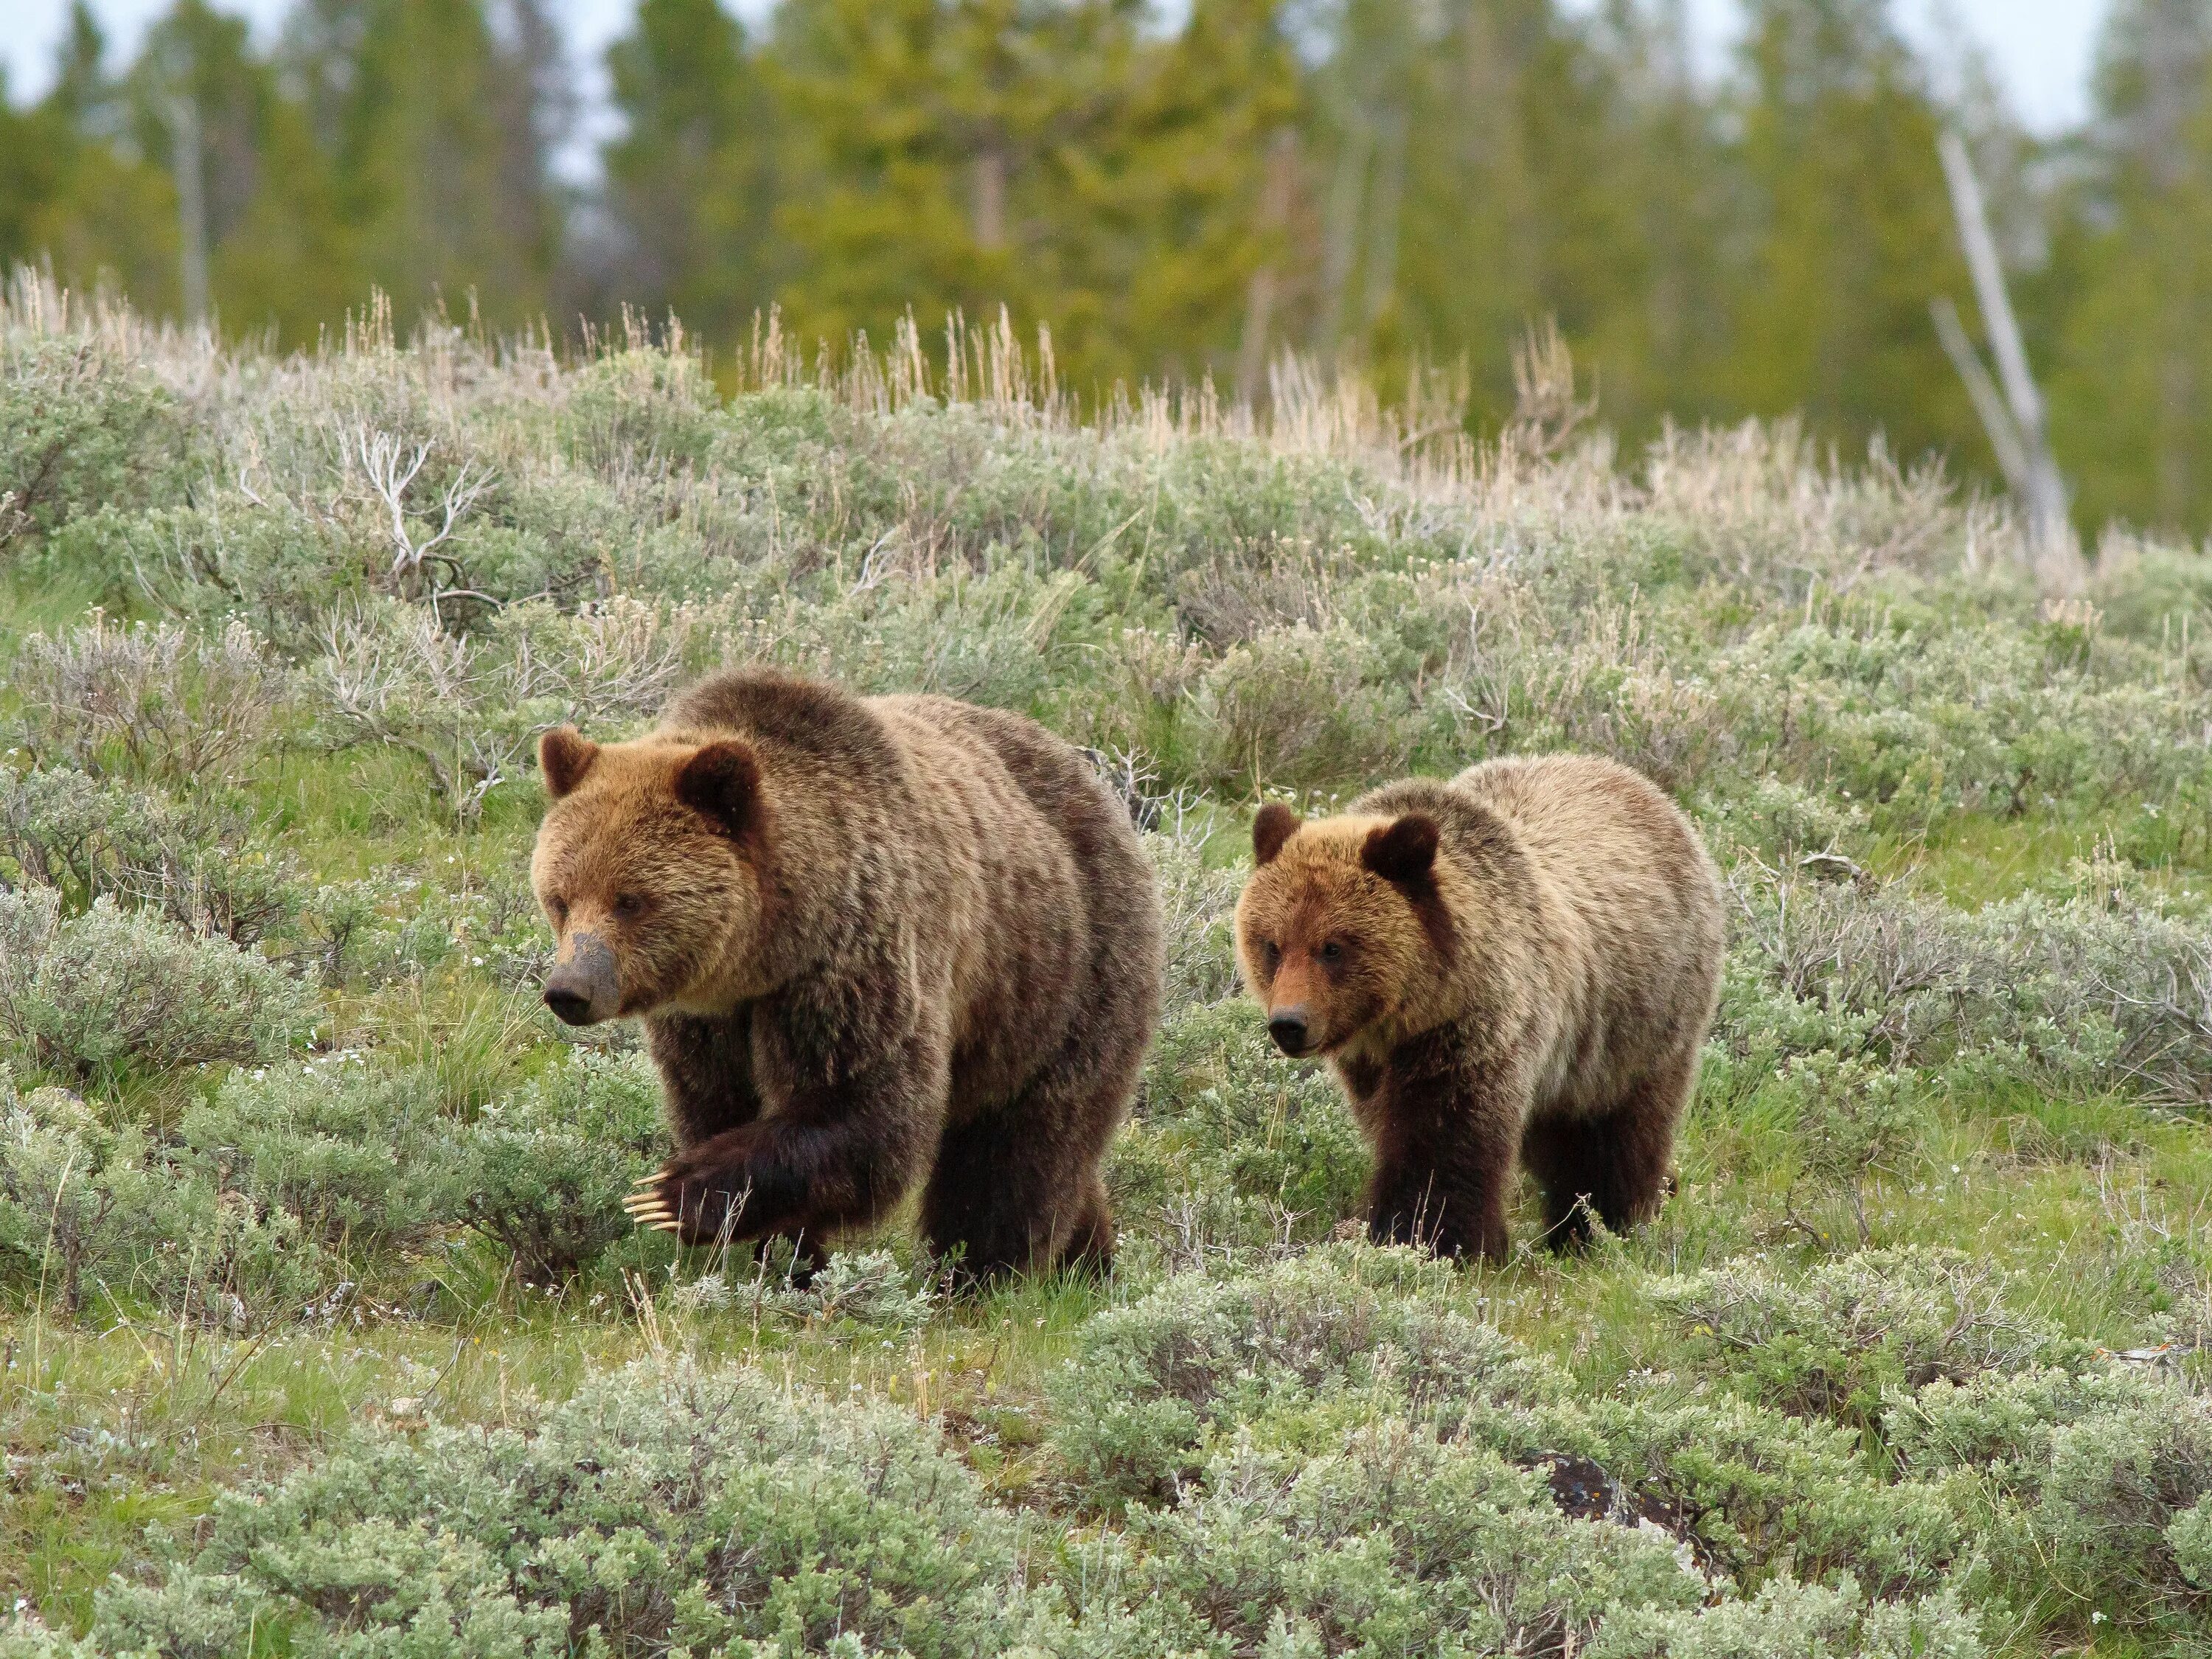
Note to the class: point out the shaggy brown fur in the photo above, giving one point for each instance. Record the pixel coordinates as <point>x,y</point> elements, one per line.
<point>1524,958</point>
<point>872,941</point>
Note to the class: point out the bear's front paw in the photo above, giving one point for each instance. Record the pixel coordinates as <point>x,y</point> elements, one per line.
<point>704,1195</point>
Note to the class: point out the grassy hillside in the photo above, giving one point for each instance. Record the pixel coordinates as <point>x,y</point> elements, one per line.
<point>323,1329</point>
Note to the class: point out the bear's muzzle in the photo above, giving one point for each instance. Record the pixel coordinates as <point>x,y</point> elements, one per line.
<point>583,989</point>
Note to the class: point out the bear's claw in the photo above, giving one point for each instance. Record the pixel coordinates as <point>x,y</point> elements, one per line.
<point>652,1204</point>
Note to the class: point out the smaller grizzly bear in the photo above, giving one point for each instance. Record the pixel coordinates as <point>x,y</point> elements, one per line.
<point>875,942</point>
<point>1525,958</point>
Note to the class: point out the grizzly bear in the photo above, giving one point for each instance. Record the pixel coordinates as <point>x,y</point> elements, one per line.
<point>1526,958</point>
<point>872,941</point>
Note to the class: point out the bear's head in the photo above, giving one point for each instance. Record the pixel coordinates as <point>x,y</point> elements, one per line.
<point>650,866</point>
<point>1337,928</point>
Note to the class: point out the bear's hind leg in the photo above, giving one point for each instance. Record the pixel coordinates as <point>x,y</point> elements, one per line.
<point>1617,1160</point>
<point>1089,1247</point>
<point>1566,1157</point>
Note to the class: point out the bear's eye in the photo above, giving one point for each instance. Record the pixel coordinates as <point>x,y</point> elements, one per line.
<point>558,910</point>
<point>1272,951</point>
<point>629,906</point>
<point>1331,953</point>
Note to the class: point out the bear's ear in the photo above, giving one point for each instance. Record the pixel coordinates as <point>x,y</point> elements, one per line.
<point>1275,824</point>
<point>564,755</point>
<point>722,783</point>
<point>1404,851</point>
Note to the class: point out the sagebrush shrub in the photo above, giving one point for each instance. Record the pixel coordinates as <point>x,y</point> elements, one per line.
<point>86,1211</point>
<point>1198,1356</point>
<point>2101,1477</point>
<point>203,865</point>
<point>147,701</point>
<point>1211,1413</point>
<point>989,636</point>
<point>642,408</point>
<point>2073,992</point>
<point>871,1289</point>
<point>1814,1621</point>
<point>662,1507</point>
<point>1788,824</point>
<point>1759,1490</point>
<point>82,429</point>
<point>1854,1117</point>
<point>1196,903</point>
<point>1396,1543</point>
<point>1833,1342</point>
<point>360,1162</point>
<point>1299,707</point>
<point>282,565</point>
<point>1229,1144</point>
<point>469,706</point>
<point>95,996</point>
<point>544,1173</point>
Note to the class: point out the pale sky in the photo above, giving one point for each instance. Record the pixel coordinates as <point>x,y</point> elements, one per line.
<point>2042,50</point>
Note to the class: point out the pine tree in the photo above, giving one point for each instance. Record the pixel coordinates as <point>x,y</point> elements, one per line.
<point>30,177</point>
<point>1055,157</point>
<point>1849,233</point>
<point>440,133</point>
<point>1665,168</point>
<point>106,213</point>
<point>254,211</point>
<point>2132,403</point>
<point>1181,197</point>
<point>1479,158</point>
<point>898,162</point>
<point>691,182</point>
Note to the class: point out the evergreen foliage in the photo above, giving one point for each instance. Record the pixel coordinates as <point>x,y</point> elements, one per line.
<point>1403,182</point>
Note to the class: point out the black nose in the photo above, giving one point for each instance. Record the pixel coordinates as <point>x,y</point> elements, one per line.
<point>1289,1030</point>
<point>574,1009</point>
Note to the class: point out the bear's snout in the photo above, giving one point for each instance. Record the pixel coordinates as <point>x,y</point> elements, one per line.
<point>1289,1027</point>
<point>583,989</point>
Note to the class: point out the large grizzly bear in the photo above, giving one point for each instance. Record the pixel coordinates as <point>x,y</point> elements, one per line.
<point>871,940</point>
<point>1524,958</point>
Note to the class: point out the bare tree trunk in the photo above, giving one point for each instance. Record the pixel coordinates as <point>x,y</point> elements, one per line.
<point>1340,232</point>
<point>1989,402</point>
<point>1267,281</point>
<point>990,198</point>
<point>2040,489</point>
<point>191,206</point>
<point>1382,276</point>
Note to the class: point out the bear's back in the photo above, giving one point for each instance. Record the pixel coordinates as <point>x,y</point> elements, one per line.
<point>824,723</point>
<point>1633,897</point>
<point>1590,823</point>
